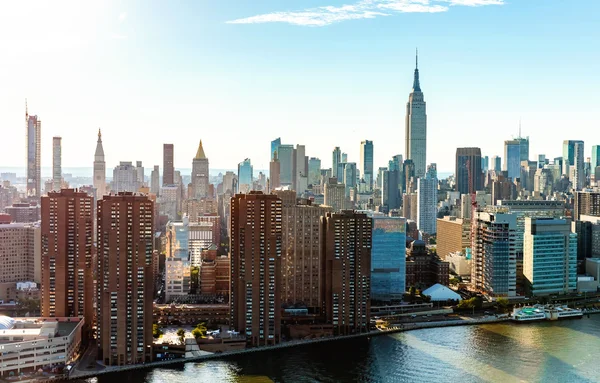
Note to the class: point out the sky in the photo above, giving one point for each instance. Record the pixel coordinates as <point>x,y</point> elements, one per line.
<point>322,73</point>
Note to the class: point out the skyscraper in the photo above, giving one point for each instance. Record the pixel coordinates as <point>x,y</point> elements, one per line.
<point>275,146</point>
<point>125,178</point>
<point>99,169</point>
<point>124,279</point>
<point>388,257</point>
<point>245,176</point>
<point>155,181</point>
<point>56,163</point>
<point>349,176</point>
<point>300,169</point>
<point>199,174</point>
<point>255,246</point>
<point>336,159</point>
<point>595,157</point>
<point>335,194</point>
<point>579,179</point>
<point>465,156</point>
<point>496,164</point>
<point>416,126</point>
<point>168,165</point>
<point>274,172</point>
<point>34,166</point>
<point>512,158</point>
<point>301,258</point>
<point>549,256</point>
<point>314,171</point>
<point>569,155</point>
<point>67,235</point>
<point>286,156</point>
<point>427,202</point>
<point>347,240</point>
<point>366,162</point>
<point>494,264</point>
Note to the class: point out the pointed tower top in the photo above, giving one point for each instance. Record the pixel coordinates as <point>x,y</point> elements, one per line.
<point>200,153</point>
<point>416,84</point>
<point>99,135</point>
<point>99,154</point>
<point>26,110</point>
<point>519,127</point>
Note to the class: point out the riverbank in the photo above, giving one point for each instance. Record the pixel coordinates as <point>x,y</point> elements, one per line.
<point>77,374</point>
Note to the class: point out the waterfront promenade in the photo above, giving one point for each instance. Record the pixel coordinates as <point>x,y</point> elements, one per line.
<point>83,374</point>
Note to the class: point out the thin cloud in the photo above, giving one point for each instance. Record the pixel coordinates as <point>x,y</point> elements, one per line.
<point>122,17</point>
<point>365,9</point>
<point>117,36</point>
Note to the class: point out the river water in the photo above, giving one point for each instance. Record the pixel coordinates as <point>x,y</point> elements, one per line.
<point>565,351</point>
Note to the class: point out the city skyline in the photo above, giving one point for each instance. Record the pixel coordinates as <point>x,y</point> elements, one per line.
<point>343,95</point>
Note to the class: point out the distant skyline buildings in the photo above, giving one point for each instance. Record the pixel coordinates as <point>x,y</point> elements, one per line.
<point>200,174</point>
<point>416,126</point>
<point>168,165</point>
<point>34,167</point>
<point>99,168</point>
<point>56,163</point>
<point>366,162</point>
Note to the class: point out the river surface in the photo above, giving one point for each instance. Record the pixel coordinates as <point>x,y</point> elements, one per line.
<point>565,351</point>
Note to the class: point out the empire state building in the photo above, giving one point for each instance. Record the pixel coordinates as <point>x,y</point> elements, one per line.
<point>416,127</point>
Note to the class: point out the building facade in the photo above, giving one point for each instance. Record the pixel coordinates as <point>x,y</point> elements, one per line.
<point>67,236</point>
<point>347,238</point>
<point>550,256</point>
<point>20,255</point>
<point>427,189</point>
<point>168,165</point>
<point>255,246</point>
<point>56,163</point>
<point>125,178</point>
<point>453,235</point>
<point>468,169</point>
<point>388,258</point>
<point>124,279</point>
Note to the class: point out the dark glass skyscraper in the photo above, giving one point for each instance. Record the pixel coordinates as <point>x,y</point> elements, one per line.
<point>388,258</point>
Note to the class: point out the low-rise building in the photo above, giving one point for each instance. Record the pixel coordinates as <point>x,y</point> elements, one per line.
<point>30,344</point>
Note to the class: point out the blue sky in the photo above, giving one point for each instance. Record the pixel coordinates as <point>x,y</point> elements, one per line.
<point>238,74</point>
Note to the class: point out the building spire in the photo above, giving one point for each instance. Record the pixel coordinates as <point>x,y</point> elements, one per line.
<point>200,153</point>
<point>519,127</point>
<point>416,84</point>
<point>99,135</point>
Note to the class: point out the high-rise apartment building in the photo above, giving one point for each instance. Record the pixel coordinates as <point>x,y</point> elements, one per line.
<point>550,256</point>
<point>301,257</point>
<point>586,203</point>
<point>168,165</point>
<point>347,238</point>
<point>245,176</point>
<point>125,178</point>
<point>124,279</point>
<point>155,181</point>
<point>199,174</point>
<point>494,262</point>
<point>335,194</point>
<point>255,245</point>
<point>416,127</point>
<point>388,258</point>
<point>34,166</point>
<point>56,163</point>
<point>427,189</point>
<point>366,162</point>
<point>23,212</point>
<point>99,168</point>
<point>468,168</point>
<point>67,236</point>
<point>20,254</point>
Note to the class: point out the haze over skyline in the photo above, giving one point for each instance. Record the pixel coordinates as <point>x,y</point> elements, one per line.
<point>322,73</point>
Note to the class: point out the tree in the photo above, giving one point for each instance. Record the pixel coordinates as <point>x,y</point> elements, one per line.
<point>156,331</point>
<point>412,292</point>
<point>454,281</point>
<point>194,279</point>
<point>181,335</point>
<point>466,304</point>
<point>502,304</point>
<point>199,331</point>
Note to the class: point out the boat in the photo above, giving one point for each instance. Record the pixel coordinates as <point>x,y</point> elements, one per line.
<point>544,312</point>
<point>556,312</point>
<point>528,314</point>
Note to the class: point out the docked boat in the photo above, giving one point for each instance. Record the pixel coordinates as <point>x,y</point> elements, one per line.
<point>544,312</point>
<point>528,314</point>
